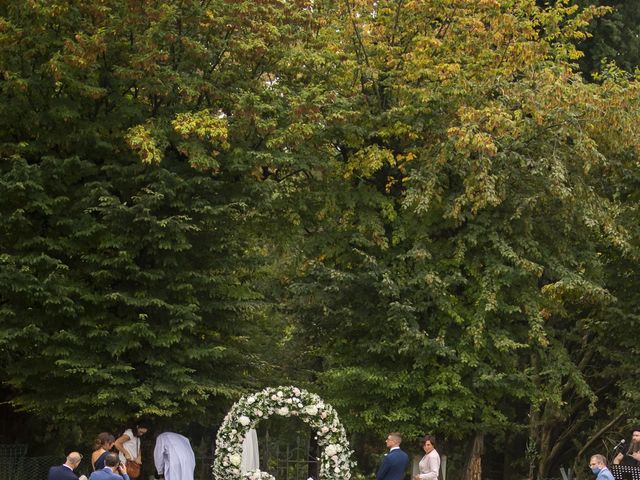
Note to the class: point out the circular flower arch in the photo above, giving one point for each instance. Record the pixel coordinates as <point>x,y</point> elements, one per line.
<point>335,455</point>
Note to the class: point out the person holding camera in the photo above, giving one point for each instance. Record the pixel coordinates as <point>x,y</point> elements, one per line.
<point>113,469</point>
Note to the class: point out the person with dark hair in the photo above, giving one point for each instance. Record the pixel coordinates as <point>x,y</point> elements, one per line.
<point>113,469</point>
<point>630,458</point>
<point>65,471</point>
<point>395,463</point>
<point>598,465</point>
<point>429,466</point>
<point>128,444</point>
<point>102,446</point>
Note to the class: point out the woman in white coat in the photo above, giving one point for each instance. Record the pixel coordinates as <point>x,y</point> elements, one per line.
<point>429,466</point>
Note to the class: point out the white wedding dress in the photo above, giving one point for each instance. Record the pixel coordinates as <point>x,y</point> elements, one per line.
<point>250,453</point>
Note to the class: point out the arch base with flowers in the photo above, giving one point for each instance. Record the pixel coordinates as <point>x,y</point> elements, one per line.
<point>246,413</point>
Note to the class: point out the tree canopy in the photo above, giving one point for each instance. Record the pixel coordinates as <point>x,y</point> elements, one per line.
<point>421,209</point>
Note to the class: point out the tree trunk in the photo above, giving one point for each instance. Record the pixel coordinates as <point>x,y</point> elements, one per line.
<point>473,470</point>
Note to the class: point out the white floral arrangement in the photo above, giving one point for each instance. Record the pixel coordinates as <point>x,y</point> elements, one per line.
<point>257,475</point>
<point>335,454</point>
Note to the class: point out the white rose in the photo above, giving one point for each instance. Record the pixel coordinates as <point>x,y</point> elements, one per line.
<point>311,410</point>
<point>258,413</point>
<point>235,459</point>
<point>251,399</point>
<point>331,450</point>
<point>244,420</point>
<point>284,411</point>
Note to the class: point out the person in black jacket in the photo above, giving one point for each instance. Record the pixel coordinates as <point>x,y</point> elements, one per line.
<point>631,457</point>
<point>65,471</point>
<point>395,463</point>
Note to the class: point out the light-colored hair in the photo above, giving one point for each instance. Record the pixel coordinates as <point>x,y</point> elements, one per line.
<point>600,459</point>
<point>397,436</point>
<point>74,458</point>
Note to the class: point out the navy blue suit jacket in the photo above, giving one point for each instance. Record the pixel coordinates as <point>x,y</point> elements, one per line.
<point>60,472</point>
<point>394,466</point>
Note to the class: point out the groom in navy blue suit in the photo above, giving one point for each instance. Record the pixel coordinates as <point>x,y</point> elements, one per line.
<point>395,463</point>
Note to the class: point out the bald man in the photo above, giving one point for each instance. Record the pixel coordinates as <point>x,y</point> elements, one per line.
<point>65,471</point>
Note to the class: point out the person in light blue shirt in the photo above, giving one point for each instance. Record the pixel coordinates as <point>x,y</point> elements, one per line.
<point>113,470</point>
<point>598,465</point>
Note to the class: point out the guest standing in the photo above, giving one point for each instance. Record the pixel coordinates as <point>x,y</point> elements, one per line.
<point>598,465</point>
<point>103,445</point>
<point>128,444</point>
<point>113,469</point>
<point>174,457</point>
<point>429,466</point>
<point>395,463</point>
<point>65,471</point>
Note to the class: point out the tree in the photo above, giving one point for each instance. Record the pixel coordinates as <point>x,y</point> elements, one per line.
<point>125,284</point>
<point>615,37</point>
<point>455,278</point>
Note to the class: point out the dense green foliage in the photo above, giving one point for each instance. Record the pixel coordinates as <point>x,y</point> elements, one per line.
<point>615,37</point>
<point>419,209</point>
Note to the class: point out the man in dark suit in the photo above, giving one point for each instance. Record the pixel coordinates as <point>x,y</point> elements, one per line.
<point>65,471</point>
<point>113,469</point>
<point>395,463</point>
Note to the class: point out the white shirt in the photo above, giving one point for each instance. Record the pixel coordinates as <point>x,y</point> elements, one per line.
<point>131,446</point>
<point>174,457</point>
<point>430,466</point>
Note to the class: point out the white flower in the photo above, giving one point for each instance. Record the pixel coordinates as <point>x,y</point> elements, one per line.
<point>284,411</point>
<point>284,401</point>
<point>311,410</point>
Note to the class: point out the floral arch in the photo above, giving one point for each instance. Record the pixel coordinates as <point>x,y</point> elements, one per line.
<point>335,454</point>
